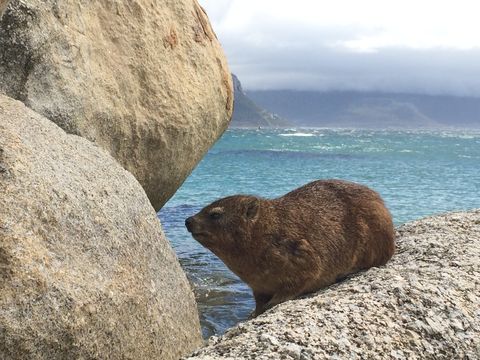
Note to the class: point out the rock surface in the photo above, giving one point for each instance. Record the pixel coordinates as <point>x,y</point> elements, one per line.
<point>85,270</point>
<point>3,6</point>
<point>145,79</point>
<point>424,304</point>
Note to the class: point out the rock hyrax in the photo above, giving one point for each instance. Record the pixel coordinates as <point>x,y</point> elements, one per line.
<point>300,242</point>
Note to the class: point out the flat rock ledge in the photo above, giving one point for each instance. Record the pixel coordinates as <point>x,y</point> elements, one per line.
<point>424,304</point>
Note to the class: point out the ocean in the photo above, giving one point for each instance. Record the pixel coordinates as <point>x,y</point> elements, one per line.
<point>418,173</point>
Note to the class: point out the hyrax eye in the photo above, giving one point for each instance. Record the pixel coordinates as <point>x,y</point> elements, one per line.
<point>215,215</point>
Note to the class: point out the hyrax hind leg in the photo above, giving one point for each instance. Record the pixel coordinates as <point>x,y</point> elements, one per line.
<point>275,300</point>
<point>260,301</point>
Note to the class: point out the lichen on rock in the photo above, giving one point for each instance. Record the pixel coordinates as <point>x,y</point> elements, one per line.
<point>424,304</point>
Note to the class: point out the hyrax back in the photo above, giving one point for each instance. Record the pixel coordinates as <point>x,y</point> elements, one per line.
<point>300,242</point>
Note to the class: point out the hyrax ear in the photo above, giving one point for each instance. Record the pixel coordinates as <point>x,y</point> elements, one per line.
<point>252,208</point>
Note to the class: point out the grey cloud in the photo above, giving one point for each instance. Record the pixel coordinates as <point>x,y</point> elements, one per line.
<point>283,56</point>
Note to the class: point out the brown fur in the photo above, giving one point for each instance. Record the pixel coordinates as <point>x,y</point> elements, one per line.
<point>300,242</point>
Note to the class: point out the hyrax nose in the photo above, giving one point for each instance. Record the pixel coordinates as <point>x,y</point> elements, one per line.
<point>189,223</point>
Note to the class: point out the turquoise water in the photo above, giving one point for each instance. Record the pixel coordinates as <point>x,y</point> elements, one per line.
<point>418,173</point>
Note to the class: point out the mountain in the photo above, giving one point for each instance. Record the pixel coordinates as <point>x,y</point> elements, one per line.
<point>248,114</point>
<point>370,109</point>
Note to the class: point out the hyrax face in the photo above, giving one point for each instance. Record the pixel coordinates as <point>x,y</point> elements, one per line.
<point>224,226</point>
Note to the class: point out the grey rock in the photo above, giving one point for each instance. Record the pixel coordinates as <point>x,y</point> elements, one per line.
<point>424,304</point>
<point>146,80</point>
<point>85,269</point>
<point>294,351</point>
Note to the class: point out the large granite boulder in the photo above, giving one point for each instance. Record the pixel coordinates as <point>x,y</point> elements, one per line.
<point>144,79</point>
<point>424,304</point>
<point>85,270</point>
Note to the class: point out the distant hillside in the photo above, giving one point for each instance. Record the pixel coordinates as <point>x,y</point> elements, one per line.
<point>248,114</point>
<point>370,109</point>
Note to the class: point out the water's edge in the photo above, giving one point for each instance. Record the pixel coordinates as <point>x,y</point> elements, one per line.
<point>418,173</point>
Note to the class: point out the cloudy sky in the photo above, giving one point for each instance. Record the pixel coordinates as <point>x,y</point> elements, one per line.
<point>423,46</point>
